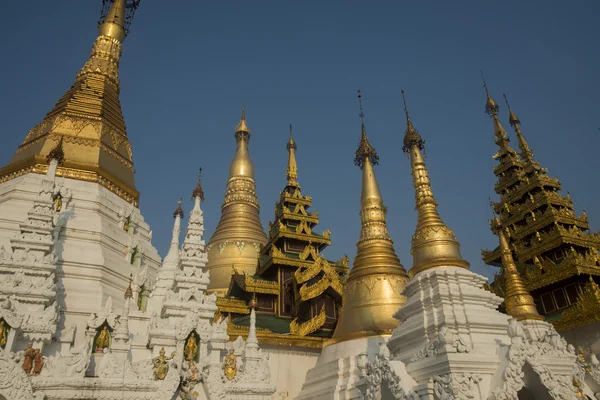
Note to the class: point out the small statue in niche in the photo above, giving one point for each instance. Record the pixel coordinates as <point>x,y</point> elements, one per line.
<point>28,358</point>
<point>230,365</point>
<point>161,366</point>
<point>191,348</point>
<point>127,223</point>
<point>103,340</point>
<point>39,362</point>
<point>3,333</point>
<point>57,202</point>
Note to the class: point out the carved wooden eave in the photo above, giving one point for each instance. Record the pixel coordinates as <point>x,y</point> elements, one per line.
<point>255,285</point>
<point>585,311</point>
<point>266,337</point>
<point>310,326</point>
<point>229,305</point>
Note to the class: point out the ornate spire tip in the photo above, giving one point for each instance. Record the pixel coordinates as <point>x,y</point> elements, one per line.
<point>365,150</point>
<point>491,108</point>
<point>57,153</point>
<point>179,211</point>
<point>198,192</point>
<point>411,135</point>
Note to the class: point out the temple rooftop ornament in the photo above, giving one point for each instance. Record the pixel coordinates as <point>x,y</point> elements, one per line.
<point>433,244</point>
<point>492,109</point>
<point>526,153</point>
<point>292,169</point>
<point>372,291</point>
<point>57,153</point>
<point>239,235</point>
<point>179,211</point>
<point>518,302</point>
<point>198,192</point>
<point>88,119</point>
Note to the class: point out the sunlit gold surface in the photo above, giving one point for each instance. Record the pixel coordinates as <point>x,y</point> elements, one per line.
<point>114,22</point>
<point>372,291</point>
<point>239,235</point>
<point>89,119</point>
<point>514,121</point>
<point>433,244</point>
<point>519,303</point>
<point>585,311</point>
<point>292,168</point>
<point>551,244</point>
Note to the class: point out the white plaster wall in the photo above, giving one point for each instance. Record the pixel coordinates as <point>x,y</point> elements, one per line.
<point>289,367</point>
<point>92,249</point>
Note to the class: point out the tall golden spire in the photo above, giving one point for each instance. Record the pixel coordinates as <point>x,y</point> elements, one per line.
<point>526,152</point>
<point>518,301</point>
<point>88,119</point>
<point>433,244</point>
<point>372,291</point>
<point>292,169</point>
<point>239,235</point>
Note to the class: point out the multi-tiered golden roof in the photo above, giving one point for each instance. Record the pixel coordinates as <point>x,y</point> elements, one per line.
<point>554,251</point>
<point>89,120</point>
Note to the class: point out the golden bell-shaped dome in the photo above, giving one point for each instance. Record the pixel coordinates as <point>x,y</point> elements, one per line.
<point>372,293</point>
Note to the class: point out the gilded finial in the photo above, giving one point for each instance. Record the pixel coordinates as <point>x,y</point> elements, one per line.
<point>518,301</point>
<point>512,118</point>
<point>526,152</point>
<point>433,244</point>
<point>411,135</point>
<point>57,153</point>
<point>198,192</point>
<point>179,211</point>
<point>241,126</point>
<point>129,290</point>
<point>491,108</point>
<point>291,143</point>
<point>365,150</point>
<point>112,23</point>
<point>292,168</point>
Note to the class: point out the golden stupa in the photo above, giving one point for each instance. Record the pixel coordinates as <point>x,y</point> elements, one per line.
<point>89,120</point>
<point>433,244</point>
<point>518,302</point>
<point>236,243</point>
<point>372,291</point>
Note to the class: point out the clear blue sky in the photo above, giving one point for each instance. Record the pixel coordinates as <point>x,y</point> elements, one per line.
<point>188,66</point>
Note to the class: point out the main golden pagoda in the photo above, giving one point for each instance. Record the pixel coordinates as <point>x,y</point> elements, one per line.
<point>556,255</point>
<point>298,292</point>
<point>88,119</point>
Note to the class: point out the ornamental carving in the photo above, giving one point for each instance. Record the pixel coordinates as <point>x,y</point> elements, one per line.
<point>543,343</point>
<point>455,386</point>
<point>377,373</point>
<point>14,383</point>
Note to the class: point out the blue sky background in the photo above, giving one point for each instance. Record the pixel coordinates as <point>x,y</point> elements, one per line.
<point>188,66</point>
